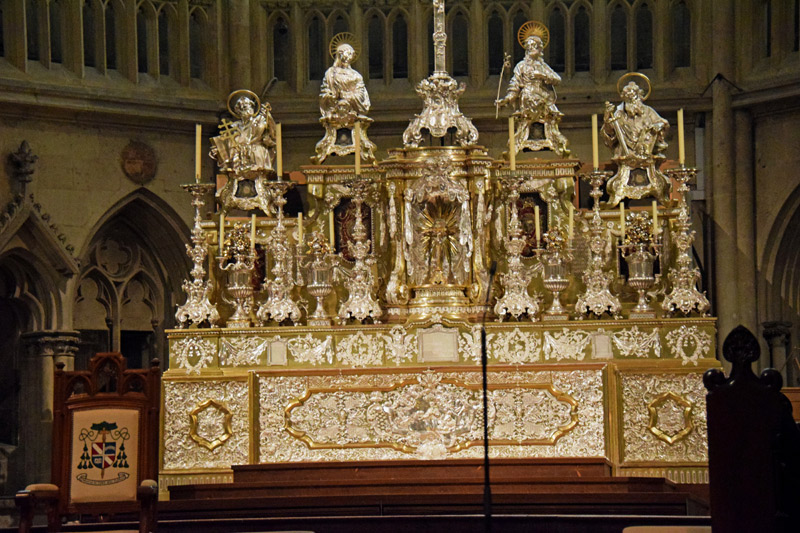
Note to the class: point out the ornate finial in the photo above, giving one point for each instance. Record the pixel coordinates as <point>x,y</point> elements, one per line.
<point>440,93</point>
<point>22,160</point>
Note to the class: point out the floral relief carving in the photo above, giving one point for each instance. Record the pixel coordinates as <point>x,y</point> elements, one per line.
<point>514,347</point>
<point>241,351</point>
<point>567,344</point>
<point>310,349</point>
<point>633,342</point>
<point>680,341</point>
<point>360,350</point>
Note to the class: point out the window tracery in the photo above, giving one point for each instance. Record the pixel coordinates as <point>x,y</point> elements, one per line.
<point>681,35</point>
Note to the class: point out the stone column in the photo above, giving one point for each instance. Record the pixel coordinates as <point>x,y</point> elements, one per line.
<point>478,58</point>
<point>778,335</point>
<point>357,28</point>
<point>239,42</point>
<point>16,47</point>
<point>599,51</point>
<point>722,183</point>
<point>745,221</point>
<point>299,35</point>
<point>44,349</point>
<point>417,33</point>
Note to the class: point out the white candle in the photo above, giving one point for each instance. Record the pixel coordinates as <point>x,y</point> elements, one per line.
<point>279,150</point>
<point>299,228</point>
<point>357,144</point>
<point>622,220</point>
<point>253,234</point>
<point>681,145</point>
<point>595,151</point>
<point>655,218</point>
<point>571,221</point>
<point>221,232</point>
<point>198,135</point>
<point>330,227</point>
<point>538,226</point>
<point>512,145</point>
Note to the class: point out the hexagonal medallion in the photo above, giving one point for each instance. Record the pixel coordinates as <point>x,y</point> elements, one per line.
<point>210,424</point>
<point>670,417</point>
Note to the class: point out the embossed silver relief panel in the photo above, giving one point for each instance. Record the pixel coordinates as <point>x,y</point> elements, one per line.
<point>430,415</point>
<point>664,418</point>
<point>181,399</point>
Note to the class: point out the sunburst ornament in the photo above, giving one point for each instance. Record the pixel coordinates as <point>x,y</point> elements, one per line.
<point>533,27</point>
<point>634,76</point>
<point>344,37</point>
<point>235,96</point>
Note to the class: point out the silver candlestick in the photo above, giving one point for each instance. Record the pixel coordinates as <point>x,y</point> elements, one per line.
<point>597,299</point>
<point>516,301</point>
<point>360,283</point>
<point>279,304</point>
<point>684,297</point>
<point>197,308</point>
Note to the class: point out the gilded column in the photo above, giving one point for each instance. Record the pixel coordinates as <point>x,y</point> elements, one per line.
<point>722,183</point>
<point>239,42</point>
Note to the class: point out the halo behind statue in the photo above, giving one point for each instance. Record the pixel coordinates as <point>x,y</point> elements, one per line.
<point>240,94</point>
<point>344,37</point>
<point>630,76</point>
<point>533,27</point>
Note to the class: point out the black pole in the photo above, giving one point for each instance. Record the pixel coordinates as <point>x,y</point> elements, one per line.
<point>487,486</point>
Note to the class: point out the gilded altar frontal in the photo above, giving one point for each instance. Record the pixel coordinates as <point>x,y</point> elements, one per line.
<point>356,231</point>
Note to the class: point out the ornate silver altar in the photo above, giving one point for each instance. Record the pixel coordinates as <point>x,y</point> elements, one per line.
<point>402,256</point>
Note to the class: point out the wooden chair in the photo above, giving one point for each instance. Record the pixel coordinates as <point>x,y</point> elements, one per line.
<point>753,444</point>
<point>105,445</point>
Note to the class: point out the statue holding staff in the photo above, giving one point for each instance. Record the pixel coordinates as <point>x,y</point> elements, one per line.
<point>532,92</point>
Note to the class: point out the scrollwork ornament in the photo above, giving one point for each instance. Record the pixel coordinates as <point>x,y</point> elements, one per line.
<point>400,345</point>
<point>310,349</point>
<point>514,347</point>
<point>679,340</point>
<point>567,344</point>
<point>633,342</point>
<point>360,350</point>
<point>241,351</point>
<point>195,348</point>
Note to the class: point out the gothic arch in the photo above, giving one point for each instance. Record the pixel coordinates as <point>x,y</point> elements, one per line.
<point>780,262</point>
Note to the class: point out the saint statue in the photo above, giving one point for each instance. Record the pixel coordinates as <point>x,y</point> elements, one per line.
<point>245,151</point>
<point>532,92</point>
<point>247,144</point>
<point>343,102</point>
<point>635,133</point>
<point>438,228</point>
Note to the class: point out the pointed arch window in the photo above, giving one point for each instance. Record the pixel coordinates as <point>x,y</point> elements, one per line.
<point>399,48</point>
<point>619,38</point>
<point>557,53</point>
<point>89,34</point>
<point>281,51</point>
<point>520,19</point>
<point>431,61</point>
<point>197,51</point>
<point>56,26</point>
<point>767,27</point>
<point>141,40</point>
<point>375,42</point>
<point>316,48</point>
<point>111,36</point>
<point>460,45</point>
<point>32,30</point>
<point>340,25</point>
<point>582,40</point>
<point>163,43</point>
<point>495,34</point>
<point>681,35</point>
<point>644,37</point>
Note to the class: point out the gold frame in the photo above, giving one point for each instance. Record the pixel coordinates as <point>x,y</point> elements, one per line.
<point>554,437</point>
<point>660,400</point>
<point>211,445</point>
